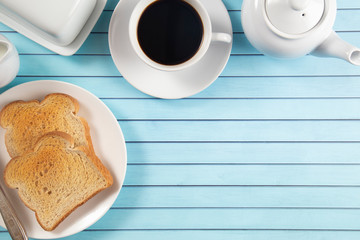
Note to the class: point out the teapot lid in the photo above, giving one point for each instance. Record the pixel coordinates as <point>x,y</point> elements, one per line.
<point>294,16</point>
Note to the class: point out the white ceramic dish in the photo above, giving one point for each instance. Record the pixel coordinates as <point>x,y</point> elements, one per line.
<point>169,84</point>
<point>62,28</point>
<point>60,21</point>
<point>9,61</point>
<point>109,145</point>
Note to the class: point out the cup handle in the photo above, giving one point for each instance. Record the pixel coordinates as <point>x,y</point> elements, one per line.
<point>221,37</point>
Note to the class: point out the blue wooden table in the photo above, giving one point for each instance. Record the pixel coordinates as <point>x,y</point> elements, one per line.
<point>271,150</point>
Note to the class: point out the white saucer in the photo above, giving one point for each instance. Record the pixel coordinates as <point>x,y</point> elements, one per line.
<point>175,84</point>
<point>109,145</point>
<point>25,28</point>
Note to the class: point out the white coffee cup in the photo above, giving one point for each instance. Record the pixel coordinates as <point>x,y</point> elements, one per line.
<point>208,36</point>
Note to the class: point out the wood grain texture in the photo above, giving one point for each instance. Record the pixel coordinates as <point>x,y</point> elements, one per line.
<point>236,87</point>
<point>240,175</point>
<point>301,197</point>
<point>230,218</point>
<point>346,20</point>
<point>241,131</point>
<point>101,65</point>
<point>271,150</point>
<point>244,153</point>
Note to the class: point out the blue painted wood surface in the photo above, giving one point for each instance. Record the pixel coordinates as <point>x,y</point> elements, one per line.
<point>271,150</point>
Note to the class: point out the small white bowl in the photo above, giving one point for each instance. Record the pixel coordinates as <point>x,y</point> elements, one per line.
<point>9,61</point>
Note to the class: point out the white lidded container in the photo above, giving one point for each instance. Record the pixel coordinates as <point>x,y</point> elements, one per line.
<point>59,20</point>
<point>59,25</point>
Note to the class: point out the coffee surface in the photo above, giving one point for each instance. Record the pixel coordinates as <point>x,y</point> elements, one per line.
<point>170,32</point>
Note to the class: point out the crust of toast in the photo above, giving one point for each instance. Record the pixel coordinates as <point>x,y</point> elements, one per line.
<point>91,151</point>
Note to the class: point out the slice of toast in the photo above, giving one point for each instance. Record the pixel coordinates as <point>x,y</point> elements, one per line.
<point>26,122</point>
<point>55,178</point>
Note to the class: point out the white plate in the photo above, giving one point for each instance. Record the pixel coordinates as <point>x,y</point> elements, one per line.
<point>162,84</point>
<point>109,146</point>
<point>13,21</point>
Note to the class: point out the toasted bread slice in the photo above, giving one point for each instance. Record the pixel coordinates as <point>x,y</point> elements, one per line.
<point>26,122</point>
<point>55,178</point>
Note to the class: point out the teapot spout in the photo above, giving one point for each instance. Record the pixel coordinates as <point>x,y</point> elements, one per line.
<point>336,47</point>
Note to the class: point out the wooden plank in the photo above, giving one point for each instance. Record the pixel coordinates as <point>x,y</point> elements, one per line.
<point>243,153</point>
<point>97,43</point>
<point>348,4</point>
<point>210,235</point>
<point>346,20</point>
<point>341,219</point>
<point>236,4</point>
<point>243,175</point>
<point>111,4</point>
<point>283,87</point>
<point>257,65</point>
<point>216,235</point>
<point>225,87</point>
<point>259,131</point>
<point>103,23</point>
<point>304,66</point>
<point>78,65</point>
<point>100,86</point>
<point>234,109</point>
<point>217,197</point>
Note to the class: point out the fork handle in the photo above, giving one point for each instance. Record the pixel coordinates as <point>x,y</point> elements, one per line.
<point>13,225</point>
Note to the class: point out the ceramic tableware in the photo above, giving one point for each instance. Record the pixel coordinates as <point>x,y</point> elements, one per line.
<point>59,21</point>
<point>59,25</point>
<point>9,61</point>
<point>109,145</point>
<point>208,35</point>
<point>293,28</point>
<point>177,81</point>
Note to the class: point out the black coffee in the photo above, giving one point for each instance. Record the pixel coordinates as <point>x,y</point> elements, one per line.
<point>170,31</point>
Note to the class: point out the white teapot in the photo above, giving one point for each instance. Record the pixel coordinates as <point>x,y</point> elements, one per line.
<point>294,28</point>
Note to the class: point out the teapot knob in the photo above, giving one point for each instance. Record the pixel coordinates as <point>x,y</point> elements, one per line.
<point>295,17</point>
<point>299,5</point>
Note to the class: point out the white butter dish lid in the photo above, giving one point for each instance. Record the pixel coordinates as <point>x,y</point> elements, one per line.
<point>59,25</point>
